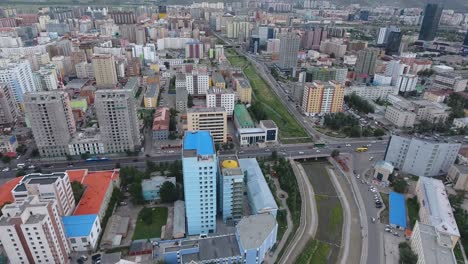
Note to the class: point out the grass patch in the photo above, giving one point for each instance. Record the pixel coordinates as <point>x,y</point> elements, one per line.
<point>336,219</point>
<point>274,109</point>
<point>384,215</point>
<point>282,224</point>
<point>413,209</point>
<point>458,254</point>
<point>315,252</point>
<point>143,230</point>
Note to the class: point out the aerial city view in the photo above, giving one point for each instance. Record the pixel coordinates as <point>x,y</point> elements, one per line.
<point>243,131</point>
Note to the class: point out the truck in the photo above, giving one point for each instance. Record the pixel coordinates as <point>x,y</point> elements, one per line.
<point>361,149</point>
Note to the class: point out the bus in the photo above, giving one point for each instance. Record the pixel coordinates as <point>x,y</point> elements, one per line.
<point>96,159</point>
<point>361,149</point>
<point>319,145</point>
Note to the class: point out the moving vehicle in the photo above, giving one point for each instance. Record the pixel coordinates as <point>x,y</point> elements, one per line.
<point>371,158</point>
<point>361,149</point>
<point>301,152</point>
<point>319,145</point>
<point>373,219</point>
<point>96,159</point>
<point>20,165</point>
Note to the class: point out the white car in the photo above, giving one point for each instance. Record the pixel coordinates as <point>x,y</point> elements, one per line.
<point>301,152</point>
<point>318,151</point>
<point>6,169</point>
<point>371,158</point>
<point>348,145</point>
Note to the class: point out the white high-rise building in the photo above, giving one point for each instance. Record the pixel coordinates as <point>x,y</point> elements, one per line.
<point>289,46</point>
<point>52,122</point>
<point>216,97</point>
<point>84,70</point>
<point>197,82</point>
<point>394,69</point>
<point>46,79</point>
<point>407,82</point>
<point>18,75</point>
<point>32,232</point>
<point>200,167</point>
<point>117,117</point>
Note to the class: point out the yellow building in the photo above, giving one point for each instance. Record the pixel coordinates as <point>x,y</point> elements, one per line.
<point>244,90</point>
<point>322,98</point>
<point>151,96</point>
<point>212,119</point>
<point>218,80</point>
<point>104,70</point>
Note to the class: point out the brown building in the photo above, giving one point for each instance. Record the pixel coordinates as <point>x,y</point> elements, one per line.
<point>321,97</point>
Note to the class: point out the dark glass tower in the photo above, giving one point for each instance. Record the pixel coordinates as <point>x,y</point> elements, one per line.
<point>465,42</point>
<point>430,22</point>
<point>393,43</point>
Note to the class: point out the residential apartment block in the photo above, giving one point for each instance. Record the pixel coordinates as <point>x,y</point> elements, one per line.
<point>421,157</point>
<point>32,232</point>
<point>456,81</point>
<point>9,111</point>
<point>372,92</point>
<point>231,189</point>
<point>104,70</point>
<point>18,75</point>
<point>321,97</point>
<point>435,209</point>
<point>213,120</point>
<point>51,119</point>
<point>117,117</point>
<point>54,186</point>
<point>217,97</point>
<point>243,89</point>
<point>200,168</point>
<point>197,82</point>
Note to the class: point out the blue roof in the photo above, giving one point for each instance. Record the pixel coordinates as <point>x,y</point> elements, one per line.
<point>397,209</point>
<point>201,141</point>
<point>78,225</point>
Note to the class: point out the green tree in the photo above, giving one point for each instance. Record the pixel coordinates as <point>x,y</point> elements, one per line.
<point>190,101</point>
<point>173,120</point>
<point>356,102</point>
<point>151,166</point>
<point>175,170</point>
<point>6,159</point>
<point>21,149</point>
<point>35,152</point>
<point>258,111</point>
<point>136,192</point>
<point>335,153</point>
<point>378,132</point>
<point>20,172</point>
<point>399,185</point>
<point>78,189</point>
<point>85,155</point>
<point>407,255</point>
<point>168,192</point>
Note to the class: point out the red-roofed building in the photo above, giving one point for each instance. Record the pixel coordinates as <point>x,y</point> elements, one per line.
<point>99,186</point>
<point>5,190</point>
<point>161,123</point>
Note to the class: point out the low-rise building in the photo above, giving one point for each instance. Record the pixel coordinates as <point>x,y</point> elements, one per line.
<point>178,230</point>
<point>435,95</point>
<point>218,80</point>
<point>256,235</point>
<point>455,81</point>
<point>261,200</point>
<point>421,157</point>
<point>243,89</point>
<point>435,209</point>
<point>430,246</point>
<point>8,143</point>
<point>209,119</point>
<point>372,92</point>
<point>242,118</point>
<point>82,231</point>
<point>430,111</point>
<point>86,143</point>
<point>152,186</point>
<point>458,174</point>
<point>400,116</point>
<point>382,171</point>
<point>460,122</point>
<point>161,124</point>
<point>151,96</point>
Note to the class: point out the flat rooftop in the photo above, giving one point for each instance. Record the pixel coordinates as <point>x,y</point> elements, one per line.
<point>438,205</point>
<point>268,123</point>
<point>436,248</point>
<point>212,248</point>
<point>199,141</point>
<point>254,229</point>
<point>206,110</point>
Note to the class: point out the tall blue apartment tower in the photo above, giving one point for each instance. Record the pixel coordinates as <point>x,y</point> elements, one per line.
<point>199,166</point>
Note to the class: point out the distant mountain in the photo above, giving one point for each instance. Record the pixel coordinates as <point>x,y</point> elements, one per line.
<point>457,5</point>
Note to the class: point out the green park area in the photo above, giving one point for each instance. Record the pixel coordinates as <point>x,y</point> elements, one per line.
<point>315,252</point>
<point>149,223</point>
<point>290,130</point>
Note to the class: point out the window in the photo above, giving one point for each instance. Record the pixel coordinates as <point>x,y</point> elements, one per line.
<point>72,240</point>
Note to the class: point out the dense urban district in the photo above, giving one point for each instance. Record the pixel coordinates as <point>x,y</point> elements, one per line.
<point>233,132</point>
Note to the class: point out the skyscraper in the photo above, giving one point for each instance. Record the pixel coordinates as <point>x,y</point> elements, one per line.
<point>117,117</point>
<point>289,46</point>
<point>104,70</point>
<point>430,23</point>
<point>393,43</point>
<point>365,63</point>
<point>51,119</point>
<point>199,166</point>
